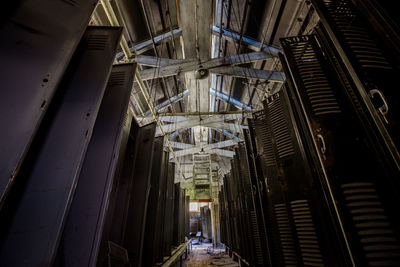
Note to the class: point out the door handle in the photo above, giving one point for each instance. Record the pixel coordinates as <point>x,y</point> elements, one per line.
<point>384,109</point>
<point>323,145</point>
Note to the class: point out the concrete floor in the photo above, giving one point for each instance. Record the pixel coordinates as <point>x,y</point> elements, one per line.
<point>205,255</point>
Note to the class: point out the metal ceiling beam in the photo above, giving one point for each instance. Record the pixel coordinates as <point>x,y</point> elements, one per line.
<point>220,152</point>
<point>175,134</point>
<point>250,42</point>
<point>168,102</point>
<point>156,61</point>
<point>274,76</point>
<point>223,153</point>
<point>224,117</point>
<point>227,126</point>
<point>209,122</point>
<point>197,114</point>
<point>229,134</point>
<point>208,148</point>
<point>221,144</point>
<point>181,145</point>
<point>230,100</point>
<point>190,65</point>
<point>142,47</point>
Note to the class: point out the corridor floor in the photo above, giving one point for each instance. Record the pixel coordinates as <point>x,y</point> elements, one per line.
<point>205,255</point>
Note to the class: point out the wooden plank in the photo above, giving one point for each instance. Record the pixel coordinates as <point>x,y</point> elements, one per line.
<point>207,122</point>
<point>190,65</point>
<point>240,72</point>
<point>156,61</point>
<point>181,145</point>
<point>221,152</point>
<point>225,117</point>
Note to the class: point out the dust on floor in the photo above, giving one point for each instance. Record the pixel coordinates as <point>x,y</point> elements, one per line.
<point>206,255</point>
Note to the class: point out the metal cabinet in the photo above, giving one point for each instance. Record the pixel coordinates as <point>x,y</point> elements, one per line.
<point>83,230</point>
<point>51,174</point>
<point>358,188</point>
<point>36,47</point>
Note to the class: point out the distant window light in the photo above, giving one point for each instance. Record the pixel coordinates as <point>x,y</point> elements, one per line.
<point>194,206</point>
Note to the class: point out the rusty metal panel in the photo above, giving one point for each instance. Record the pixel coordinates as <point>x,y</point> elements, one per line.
<point>82,234</point>
<point>38,220</point>
<point>36,46</point>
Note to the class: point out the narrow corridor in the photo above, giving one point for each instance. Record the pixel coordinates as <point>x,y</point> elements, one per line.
<point>206,255</point>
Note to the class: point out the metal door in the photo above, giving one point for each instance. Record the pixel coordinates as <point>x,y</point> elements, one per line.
<point>84,226</point>
<point>37,223</point>
<point>35,49</point>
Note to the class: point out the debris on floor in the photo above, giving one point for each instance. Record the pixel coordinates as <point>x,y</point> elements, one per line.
<point>204,255</point>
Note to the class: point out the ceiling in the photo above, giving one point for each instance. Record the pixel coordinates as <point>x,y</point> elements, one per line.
<point>204,66</point>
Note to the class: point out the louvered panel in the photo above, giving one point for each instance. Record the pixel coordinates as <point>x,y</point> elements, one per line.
<point>286,236</point>
<point>256,236</point>
<point>264,135</point>
<point>71,2</point>
<point>312,75</point>
<point>360,42</point>
<point>97,42</point>
<point>306,233</point>
<point>364,42</point>
<point>346,157</point>
<point>118,78</point>
<point>280,128</point>
<point>380,246</point>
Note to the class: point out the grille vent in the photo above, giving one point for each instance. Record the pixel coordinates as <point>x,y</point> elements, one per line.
<point>280,128</point>
<point>360,42</point>
<point>309,247</point>
<point>264,132</point>
<point>380,246</point>
<point>71,2</point>
<point>97,42</point>
<point>117,78</point>
<point>286,235</point>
